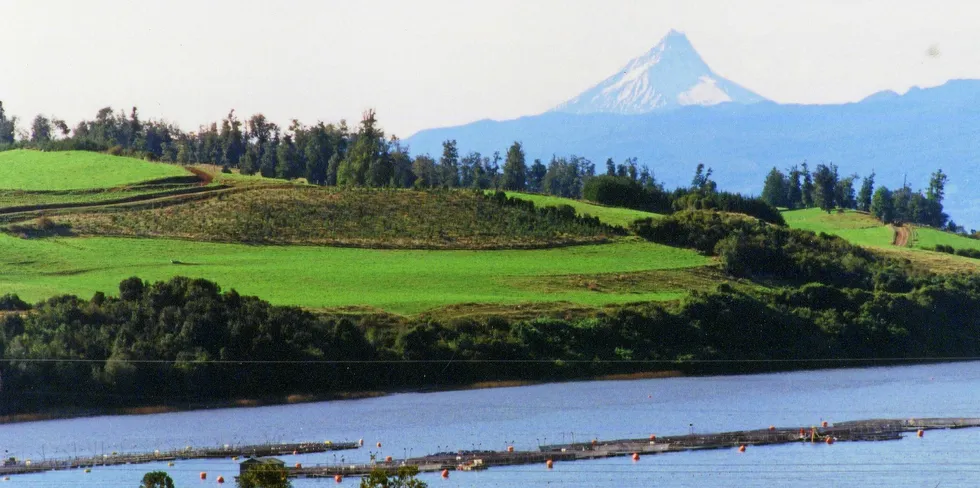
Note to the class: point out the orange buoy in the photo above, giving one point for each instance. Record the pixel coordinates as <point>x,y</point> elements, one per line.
<point>510,448</point>
<point>549,463</point>
<point>830,440</point>
<point>388,459</point>
<point>920,433</point>
<point>445,473</point>
<point>338,478</point>
<point>772,427</point>
<point>823,424</point>
<point>741,448</point>
<point>298,465</point>
<point>653,437</point>
<point>204,475</point>
<point>221,479</point>
<point>379,444</point>
<point>636,456</point>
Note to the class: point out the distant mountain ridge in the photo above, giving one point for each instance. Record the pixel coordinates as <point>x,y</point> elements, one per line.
<point>896,136</point>
<point>670,75</point>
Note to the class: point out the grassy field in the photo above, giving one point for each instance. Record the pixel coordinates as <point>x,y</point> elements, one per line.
<point>76,170</point>
<point>864,230</point>
<point>405,282</point>
<point>927,238</point>
<point>856,227</point>
<point>389,218</point>
<point>611,215</point>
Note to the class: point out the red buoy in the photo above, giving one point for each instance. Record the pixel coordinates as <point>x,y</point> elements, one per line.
<point>830,440</point>
<point>653,437</point>
<point>445,473</point>
<point>549,463</point>
<point>295,453</point>
<point>636,456</point>
<point>824,423</point>
<point>741,448</point>
<point>772,427</point>
<point>388,459</point>
<point>204,475</point>
<point>221,479</point>
<point>360,442</point>
<point>338,478</point>
<point>510,448</point>
<point>379,444</point>
<point>298,465</point>
<point>920,433</point>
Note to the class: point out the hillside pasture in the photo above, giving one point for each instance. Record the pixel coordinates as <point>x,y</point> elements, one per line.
<point>856,227</point>
<point>622,217</point>
<point>391,218</point>
<point>30,170</point>
<point>398,281</point>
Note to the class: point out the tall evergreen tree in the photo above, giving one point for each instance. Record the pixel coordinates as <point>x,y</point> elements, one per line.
<point>867,192</point>
<point>7,127</point>
<point>536,175</point>
<point>937,186</point>
<point>40,129</point>
<point>515,169</point>
<point>882,205</point>
<point>825,186</point>
<point>774,191</point>
<point>844,192</point>
<point>365,163</point>
<point>449,164</point>
<point>807,187</point>
<point>794,189</point>
<point>426,173</point>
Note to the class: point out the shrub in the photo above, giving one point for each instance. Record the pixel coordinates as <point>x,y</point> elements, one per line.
<point>12,302</point>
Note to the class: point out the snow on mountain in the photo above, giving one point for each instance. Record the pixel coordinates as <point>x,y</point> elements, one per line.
<point>670,75</point>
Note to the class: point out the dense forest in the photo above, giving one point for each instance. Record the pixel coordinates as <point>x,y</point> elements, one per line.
<point>187,341</point>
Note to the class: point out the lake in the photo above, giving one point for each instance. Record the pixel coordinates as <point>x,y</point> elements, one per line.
<point>414,424</point>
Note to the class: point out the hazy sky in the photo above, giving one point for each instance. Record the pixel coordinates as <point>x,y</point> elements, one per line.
<point>422,64</point>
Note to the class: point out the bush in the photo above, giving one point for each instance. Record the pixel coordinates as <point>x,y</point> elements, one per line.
<point>968,253</point>
<point>620,191</point>
<point>729,202</point>
<point>12,302</point>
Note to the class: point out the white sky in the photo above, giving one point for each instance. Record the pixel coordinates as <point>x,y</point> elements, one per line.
<point>424,64</point>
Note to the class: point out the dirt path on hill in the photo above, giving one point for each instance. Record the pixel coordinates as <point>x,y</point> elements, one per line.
<point>902,234</point>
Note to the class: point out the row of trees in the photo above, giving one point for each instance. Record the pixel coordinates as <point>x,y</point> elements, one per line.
<point>323,154</point>
<point>826,189</point>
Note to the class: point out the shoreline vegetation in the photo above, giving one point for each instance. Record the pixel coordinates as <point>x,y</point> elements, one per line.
<point>783,299</point>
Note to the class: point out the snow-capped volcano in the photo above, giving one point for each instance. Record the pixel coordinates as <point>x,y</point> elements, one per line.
<point>670,75</point>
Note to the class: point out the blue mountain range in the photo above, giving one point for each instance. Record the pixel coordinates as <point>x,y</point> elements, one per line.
<point>740,134</point>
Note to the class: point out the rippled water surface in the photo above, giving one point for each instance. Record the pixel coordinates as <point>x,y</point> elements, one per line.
<point>421,423</point>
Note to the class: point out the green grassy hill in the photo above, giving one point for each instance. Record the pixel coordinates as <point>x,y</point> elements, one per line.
<point>350,217</point>
<point>400,281</point>
<point>856,227</point>
<point>77,170</point>
<point>108,242</point>
<point>862,229</point>
<point>622,217</point>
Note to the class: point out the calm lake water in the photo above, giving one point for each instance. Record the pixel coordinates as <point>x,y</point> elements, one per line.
<point>422,423</point>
